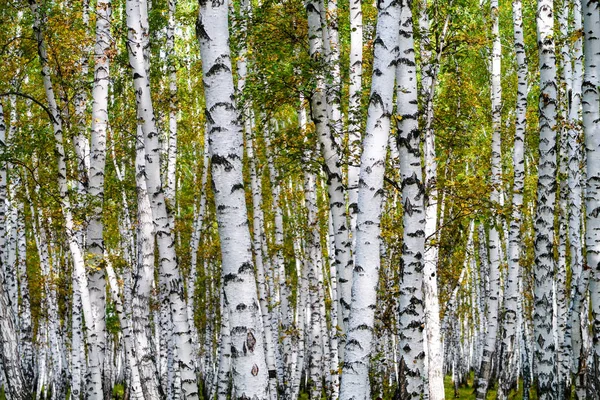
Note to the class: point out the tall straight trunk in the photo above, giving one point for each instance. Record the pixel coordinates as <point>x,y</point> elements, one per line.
<point>332,165</point>
<point>546,197</point>
<point>171,181</point>
<point>578,283</point>
<point>334,89</point>
<point>591,127</point>
<point>429,68</point>
<point>258,234</point>
<point>359,345</point>
<point>314,264</point>
<point>14,384</point>
<point>170,282</point>
<point>134,383</point>
<point>564,92</point>
<point>285,311</point>
<point>354,109</point>
<point>25,321</point>
<point>3,195</point>
<point>81,143</point>
<point>224,367</point>
<point>95,228</point>
<point>144,278</point>
<point>250,378</point>
<point>511,293</point>
<point>197,228</point>
<point>257,213</point>
<point>411,312</point>
<point>494,237</point>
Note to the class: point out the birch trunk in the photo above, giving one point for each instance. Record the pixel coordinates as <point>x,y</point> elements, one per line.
<point>14,384</point>
<point>249,370</point>
<point>494,236</point>
<point>578,285</point>
<point>359,345</point>
<point>411,312</point>
<point>144,278</point>
<point>434,360</point>
<point>354,110</point>
<point>544,220</point>
<point>332,165</point>
<point>511,294</point>
<point>95,228</point>
<point>591,127</point>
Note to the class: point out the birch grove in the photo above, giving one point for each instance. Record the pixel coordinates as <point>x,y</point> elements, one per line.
<point>299,199</point>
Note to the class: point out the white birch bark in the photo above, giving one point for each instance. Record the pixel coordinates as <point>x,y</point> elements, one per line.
<point>224,372</point>
<point>170,283</point>
<point>334,89</point>
<point>354,109</point>
<point>258,227</point>
<point>544,219</point>
<point>359,345</point>
<point>15,386</point>
<point>249,370</point>
<point>591,127</point>
<point>434,360</point>
<point>144,278</point>
<point>95,228</point>
<point>25,321</point>
<point>314,263</point>
<point>332,165</point>
<point>3,194</point>
<point>285,311</point>
<point>134,381</point>
<point>410,306</point>
<point>171,181</point>
<point>511,294</point>
<point>494,236</point>
<point>13,383</point>
<point>578,283</point>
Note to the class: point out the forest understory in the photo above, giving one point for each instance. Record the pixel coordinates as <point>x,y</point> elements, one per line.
<point>299,199</point>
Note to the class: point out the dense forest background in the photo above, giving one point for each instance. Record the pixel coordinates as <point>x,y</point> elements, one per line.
<point>280,199</point>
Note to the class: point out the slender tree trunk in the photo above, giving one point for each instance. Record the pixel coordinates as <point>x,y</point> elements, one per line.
<point>591,127</point>
<point>434,361</point>
<point>411,312</point>
<point>14,384</point>
<point>578,280</point>
<point>544,220</point>
<point>95,228</point>
<point>511,294</point>
<point>250,377</point>
<point>332,165</point>
<point>494,236</point>
<point>359,345</point>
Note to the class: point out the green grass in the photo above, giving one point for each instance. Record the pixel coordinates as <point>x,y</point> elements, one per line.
<point>467,392</point>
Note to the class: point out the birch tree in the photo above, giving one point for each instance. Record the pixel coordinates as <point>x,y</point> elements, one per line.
<point>494,236</point>
<point>249,370</point>
<point>411,311</point>
<point>359,344</point>
<point>511,293</point>
<point>546,198</point>
<point>95,241</point>
<point>591,127</point>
